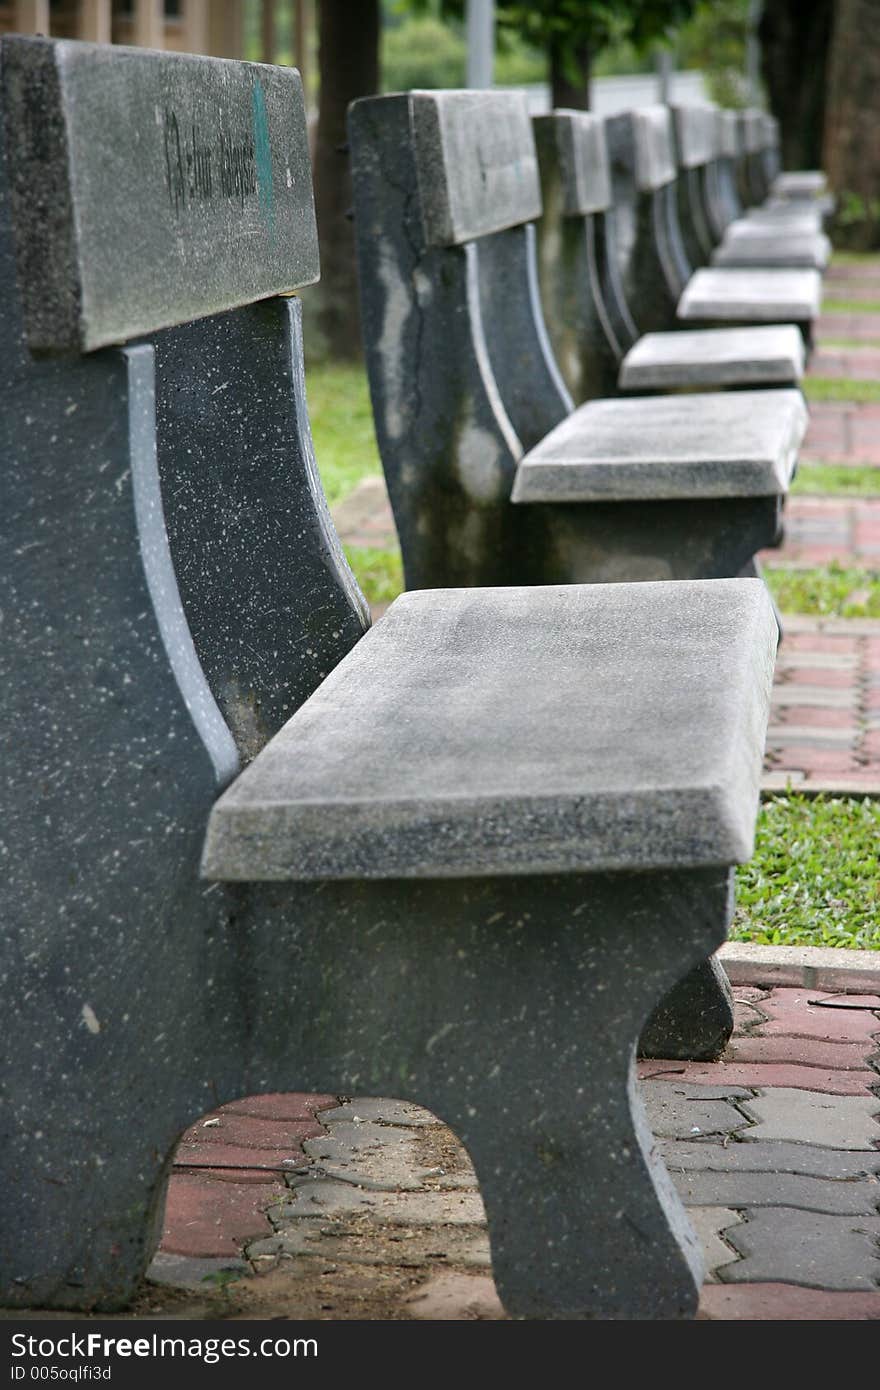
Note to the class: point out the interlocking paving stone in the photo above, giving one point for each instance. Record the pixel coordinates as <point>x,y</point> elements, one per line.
<point>814,695</point>
<point>757,1075</point>
<point>338,1241</point>
<point>828,1252</point>
<point>296,1106</point>
<point>677,1111</point>
<point>381,1110</point>
<point>708,1223</point>
<point>812,1052</point>
<point>837,1122</point>
<point>377,1157</point>
<point>786,1303</point>
<point>742,1190</point>
<point>206,1218</point>
<point>790,1013</point>
<point>463,1297</point>
<point>251,1132</point>
<point>190,1272</point>
<point>329,1198</point>
<point>769,1156</point>
<point>237,1163</point>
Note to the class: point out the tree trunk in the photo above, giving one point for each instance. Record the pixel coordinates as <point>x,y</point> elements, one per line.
<point>348,58</point>
<point>565,91</point>
<point>851,154</point>
<point>795,38</point>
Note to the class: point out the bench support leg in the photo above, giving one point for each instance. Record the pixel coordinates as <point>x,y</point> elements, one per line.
<point>695,1020</point>
<point>631,542</point>
<point>511,1008</point>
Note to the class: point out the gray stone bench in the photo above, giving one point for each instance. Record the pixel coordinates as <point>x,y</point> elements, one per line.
<point>788,242</point>
<point>467,393</point>
<point>420,889</point>
<point>456,925</point>
<point>654,263</point>
<point>588,314</point>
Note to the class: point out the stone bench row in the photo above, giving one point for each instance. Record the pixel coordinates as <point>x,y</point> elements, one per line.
<point>250,845</point>
<point>495,474</point>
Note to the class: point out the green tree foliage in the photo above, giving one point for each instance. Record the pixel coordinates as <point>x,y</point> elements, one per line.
<point>714,41</point>
<point>571,32</point>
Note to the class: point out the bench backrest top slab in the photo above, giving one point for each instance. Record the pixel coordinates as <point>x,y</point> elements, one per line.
<point>696,134</point>
<point>583,160</point>
<point>476,162</point>
<point>400,764</point>
<point>149,189</point>
<point>654,155</point>
<point>751,127</point>
<point>728,143</point>
<point>770,127</point>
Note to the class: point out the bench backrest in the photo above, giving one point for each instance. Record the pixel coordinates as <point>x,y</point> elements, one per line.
<point>477,169</point>
<point>462,376</point>
<point>652,260</point>
<point>588,319</point>
<point>172,582</point>
<point>696,135</point>
<point>696,147</point>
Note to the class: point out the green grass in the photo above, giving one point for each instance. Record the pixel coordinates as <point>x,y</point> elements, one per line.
<point>831,592</point>
<point>836,479</point>
<point>831,388</point>
<point>379,572</point>
<point>342,426</point>
<point>855,258</point>
<point>850,306</point>
<point>850,343</point>
<point>814,879</point>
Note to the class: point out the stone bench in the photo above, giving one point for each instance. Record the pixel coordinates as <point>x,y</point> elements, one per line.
<point>655,265</point>
<point>489,841</point>
<point>493,477</point>
<point>784,242</point>
<point>591,326</point>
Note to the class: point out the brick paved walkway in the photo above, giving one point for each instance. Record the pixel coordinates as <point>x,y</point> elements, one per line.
<point>846,432</point>
<point>372,1209</point>
<point>824,730</point>
<point>822,530</point>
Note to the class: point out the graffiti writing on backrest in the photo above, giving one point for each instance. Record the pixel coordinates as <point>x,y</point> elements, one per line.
<point>198,171</point>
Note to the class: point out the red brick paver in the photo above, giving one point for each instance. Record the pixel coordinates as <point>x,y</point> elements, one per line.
<point>228,1170</point>
<point>786,1303</point>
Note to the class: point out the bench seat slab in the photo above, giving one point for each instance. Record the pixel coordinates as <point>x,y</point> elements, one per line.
<point>800,183</point>
<point>768,296</point>
<point>715,357</point>
<point>753,249</point>
<point>784,217</point>
<point>400,765</point>
<point>717,444</point>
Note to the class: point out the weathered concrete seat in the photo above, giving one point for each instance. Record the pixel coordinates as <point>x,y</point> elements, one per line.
<point>749,244</point>
<point>591,328</point>
<point>708,358</point>
<point>736,445</point>
<point>798,184</point>
<point>753,296</point>
<point>435,900</point>
<point>465,386</point>
<point>173,591</point>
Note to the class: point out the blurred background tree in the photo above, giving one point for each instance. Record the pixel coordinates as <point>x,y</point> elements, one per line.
<point>714,40</point>
<point>850,151</point>
<point>795,39</point>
